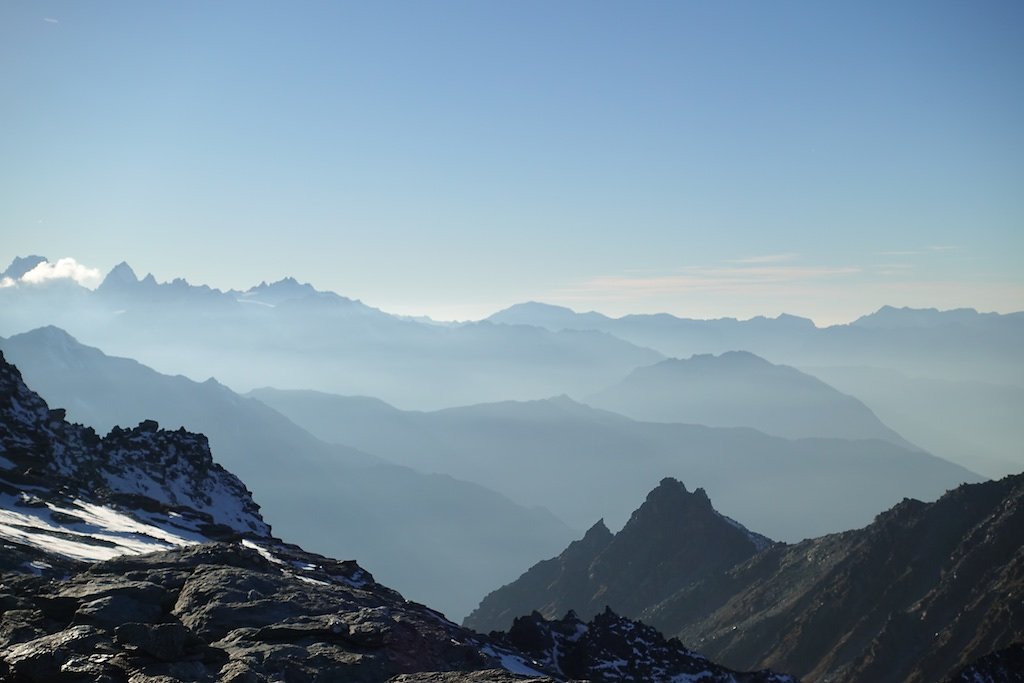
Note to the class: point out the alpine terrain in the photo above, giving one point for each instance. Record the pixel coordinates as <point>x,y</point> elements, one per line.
<point>136,557</point>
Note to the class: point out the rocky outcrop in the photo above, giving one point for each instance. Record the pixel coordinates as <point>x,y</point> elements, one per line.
<point>914,596</point>
<point>222,612</point>
<point>267,611</point>
<point>613,648</point>
<point>674,539</point>
<point>141,469</point>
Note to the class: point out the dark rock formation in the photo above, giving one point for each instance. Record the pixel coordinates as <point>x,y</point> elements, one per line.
<point>141,468</point>
<point>915,596</point>
<point>1001,666</point>
<point>613,648</point>
<point>672,540</point>
<point>223,612</point>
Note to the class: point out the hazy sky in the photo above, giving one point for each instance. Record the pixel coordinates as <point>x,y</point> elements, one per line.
<point>448,158</point>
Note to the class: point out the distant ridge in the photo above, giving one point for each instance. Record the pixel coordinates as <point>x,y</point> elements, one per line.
<point>740,389</point>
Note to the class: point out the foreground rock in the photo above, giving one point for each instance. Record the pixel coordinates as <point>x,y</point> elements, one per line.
<point>613,648</point>
<point>271,612</point>
<point>222,612</point>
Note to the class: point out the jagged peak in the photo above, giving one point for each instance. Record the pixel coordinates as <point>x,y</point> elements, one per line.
<point>598,531</point>
<point>120,275</point>
<point>21,265</point>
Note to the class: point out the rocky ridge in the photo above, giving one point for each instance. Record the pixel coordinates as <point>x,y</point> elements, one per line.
<point>144,469</point>
<point>914,596</point>
<point>674,539</point>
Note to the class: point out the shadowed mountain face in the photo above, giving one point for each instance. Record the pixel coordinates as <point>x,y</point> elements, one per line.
<point>672,540</point>
<point>530,450</point>
<point>739,389</point>
<point>328,497</point>
<point>919,593</point>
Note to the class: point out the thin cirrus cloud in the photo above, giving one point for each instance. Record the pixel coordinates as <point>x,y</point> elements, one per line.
<point>766,258</point>
<point>740,279</point>
<point>64,269</point>
<point>930,249</point>
<point>51,20</point>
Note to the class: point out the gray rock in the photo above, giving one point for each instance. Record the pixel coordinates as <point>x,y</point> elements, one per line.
<point>112,610</point>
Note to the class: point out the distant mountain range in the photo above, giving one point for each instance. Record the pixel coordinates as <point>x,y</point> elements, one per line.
<point>109,573</point>
<point>330,498</point>
<point>583,464</point>
<point>914,596</point>
<point>949,381</point>
<point>739,389</point>
<point>956,344</point>
<point>974,423</point>
<point>290,335</point>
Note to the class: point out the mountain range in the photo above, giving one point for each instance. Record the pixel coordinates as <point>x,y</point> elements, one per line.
<point>330,498</point>
<point>290,335</point>
<point>963,364</point>
<point>739,389</point>
<point>914,596</point>
<point>135,556</point>
<point>582,463</point>
<point>948,381</point>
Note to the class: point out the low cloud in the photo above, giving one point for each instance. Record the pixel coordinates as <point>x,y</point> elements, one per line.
<point>64,269</point>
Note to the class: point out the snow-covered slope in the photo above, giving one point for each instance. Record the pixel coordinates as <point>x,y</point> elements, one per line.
<point>66,490</point>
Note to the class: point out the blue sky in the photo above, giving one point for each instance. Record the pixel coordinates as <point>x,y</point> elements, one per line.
<point>449,158</point>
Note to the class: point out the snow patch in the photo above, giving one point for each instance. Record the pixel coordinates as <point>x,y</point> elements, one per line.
<point>85,531</point>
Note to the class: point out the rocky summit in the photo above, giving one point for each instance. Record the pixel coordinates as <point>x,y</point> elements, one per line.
<point>918,595</point>
<point>134,557</point>
<point>674,539</point>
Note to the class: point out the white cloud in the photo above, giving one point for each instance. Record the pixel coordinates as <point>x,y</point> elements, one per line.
<point>6,282</point>
<point>50,20</point>
<point>64,269</point>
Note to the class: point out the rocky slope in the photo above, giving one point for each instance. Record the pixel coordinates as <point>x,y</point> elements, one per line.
<point>84,597</point>
<point>916,595</point>
<point>613,648</point>
<point>145,469</point>
<point>269,612</point>
<point>674,539</point>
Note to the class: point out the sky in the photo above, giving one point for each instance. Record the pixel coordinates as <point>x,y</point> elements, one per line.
<point>444,158</point>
